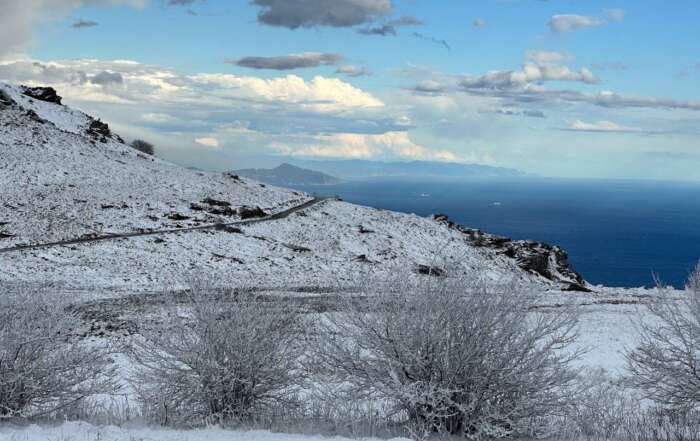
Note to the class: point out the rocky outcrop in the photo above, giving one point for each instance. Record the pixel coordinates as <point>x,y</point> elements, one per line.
<point>47,94</point>
<point>549,261</point>
<point>5,100</point>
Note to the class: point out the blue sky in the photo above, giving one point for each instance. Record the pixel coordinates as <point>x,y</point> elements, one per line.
<point>557,88</point>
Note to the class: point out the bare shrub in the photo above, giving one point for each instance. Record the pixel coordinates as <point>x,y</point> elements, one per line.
<point>452,357</point>
<point>143,146</point>
<point>607,410</point>
<point>666,363</point>
<point>44,367</point>
<point>228,359</point>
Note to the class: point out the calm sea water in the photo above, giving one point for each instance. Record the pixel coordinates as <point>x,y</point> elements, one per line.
<point>617,233</point>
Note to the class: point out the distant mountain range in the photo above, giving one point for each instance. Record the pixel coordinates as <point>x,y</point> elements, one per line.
<point>359,169</point>
<point>287,174</point>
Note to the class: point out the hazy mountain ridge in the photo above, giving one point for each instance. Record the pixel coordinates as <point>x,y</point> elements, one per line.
<point>287,174</point>
<point>361,168</point>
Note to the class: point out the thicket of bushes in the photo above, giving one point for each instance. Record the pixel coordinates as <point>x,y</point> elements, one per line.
<point>469,360</point>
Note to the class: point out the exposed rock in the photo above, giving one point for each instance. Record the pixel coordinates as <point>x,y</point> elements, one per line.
<point>549,261</point>
<point>5,235</point>
<point>5,100</point>
<point>99,130</point>
<point>34,117</point>
<point>47,94</point>
<point>364,230</point>
<point>430,271</point>
<point>297,248</point>
<point>215,203</point>
<point>178,217</point>
<point>362,258</point>
<point>226,211</point>
<point>228,229</point>
<point>249,213</point>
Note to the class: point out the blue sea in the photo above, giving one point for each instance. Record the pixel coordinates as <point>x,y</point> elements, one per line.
<point>617,233</point>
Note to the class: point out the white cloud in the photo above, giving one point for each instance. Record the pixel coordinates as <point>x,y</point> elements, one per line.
<point>208,142</point>
<point>363,146</point>
<point>158,118</point>
<point>546,57</point>
<point>571,22</point>
<point>319,94</point>
<point>530,73</point>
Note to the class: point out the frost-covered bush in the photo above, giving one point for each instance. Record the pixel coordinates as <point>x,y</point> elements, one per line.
<point>143,146</point>
<point>223,361</point>
<point>44,366</point>
<point>452,357</point>
<point>666,363</point>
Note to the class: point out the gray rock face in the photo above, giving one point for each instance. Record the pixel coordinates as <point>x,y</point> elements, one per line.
<point>549,261</point>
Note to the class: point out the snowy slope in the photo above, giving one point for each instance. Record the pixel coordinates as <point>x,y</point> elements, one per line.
<point>59,181</point>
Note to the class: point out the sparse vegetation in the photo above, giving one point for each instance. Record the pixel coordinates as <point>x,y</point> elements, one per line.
<point>666,363</point>
<point>452,357</point>
<point>229,358</point>
<point>143,146</point>
<point>44,366</point>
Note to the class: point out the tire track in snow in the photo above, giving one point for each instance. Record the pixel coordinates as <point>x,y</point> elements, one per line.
<point>277,216</point>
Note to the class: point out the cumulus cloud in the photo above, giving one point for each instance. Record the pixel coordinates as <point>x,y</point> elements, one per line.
<point>295,14</point>
<point>353,71</point>
<point>363,146</point>
<point>105,78</point>
<point>19,16</point>
<point>571,22</point>
<point>208,141</point>
<point>201,103</point>
<point>288,62</point>
<point>531,73</point>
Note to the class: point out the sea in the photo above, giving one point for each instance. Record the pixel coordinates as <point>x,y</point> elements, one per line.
<point>617,233</point>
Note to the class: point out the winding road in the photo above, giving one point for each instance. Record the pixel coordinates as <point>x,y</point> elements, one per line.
<point>101,238</point>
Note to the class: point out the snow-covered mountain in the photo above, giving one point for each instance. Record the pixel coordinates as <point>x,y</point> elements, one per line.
<point>74,188</point>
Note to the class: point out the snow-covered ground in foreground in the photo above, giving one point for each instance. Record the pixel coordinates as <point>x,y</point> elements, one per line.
<point>88,432</point>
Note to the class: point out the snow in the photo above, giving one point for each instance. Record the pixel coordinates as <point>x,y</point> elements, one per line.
<point>87,432</point>
<point>57,183</point>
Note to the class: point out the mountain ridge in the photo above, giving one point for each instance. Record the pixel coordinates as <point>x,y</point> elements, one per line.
<point>287,174</point>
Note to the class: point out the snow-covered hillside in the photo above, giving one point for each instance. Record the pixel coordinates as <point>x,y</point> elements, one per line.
<point>66,176</point>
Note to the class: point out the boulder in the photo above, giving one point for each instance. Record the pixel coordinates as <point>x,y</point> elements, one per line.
<point>46,94</point>
<point>251,212</point>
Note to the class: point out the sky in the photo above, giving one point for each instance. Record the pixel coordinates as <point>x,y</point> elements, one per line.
<point>573,88</point>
